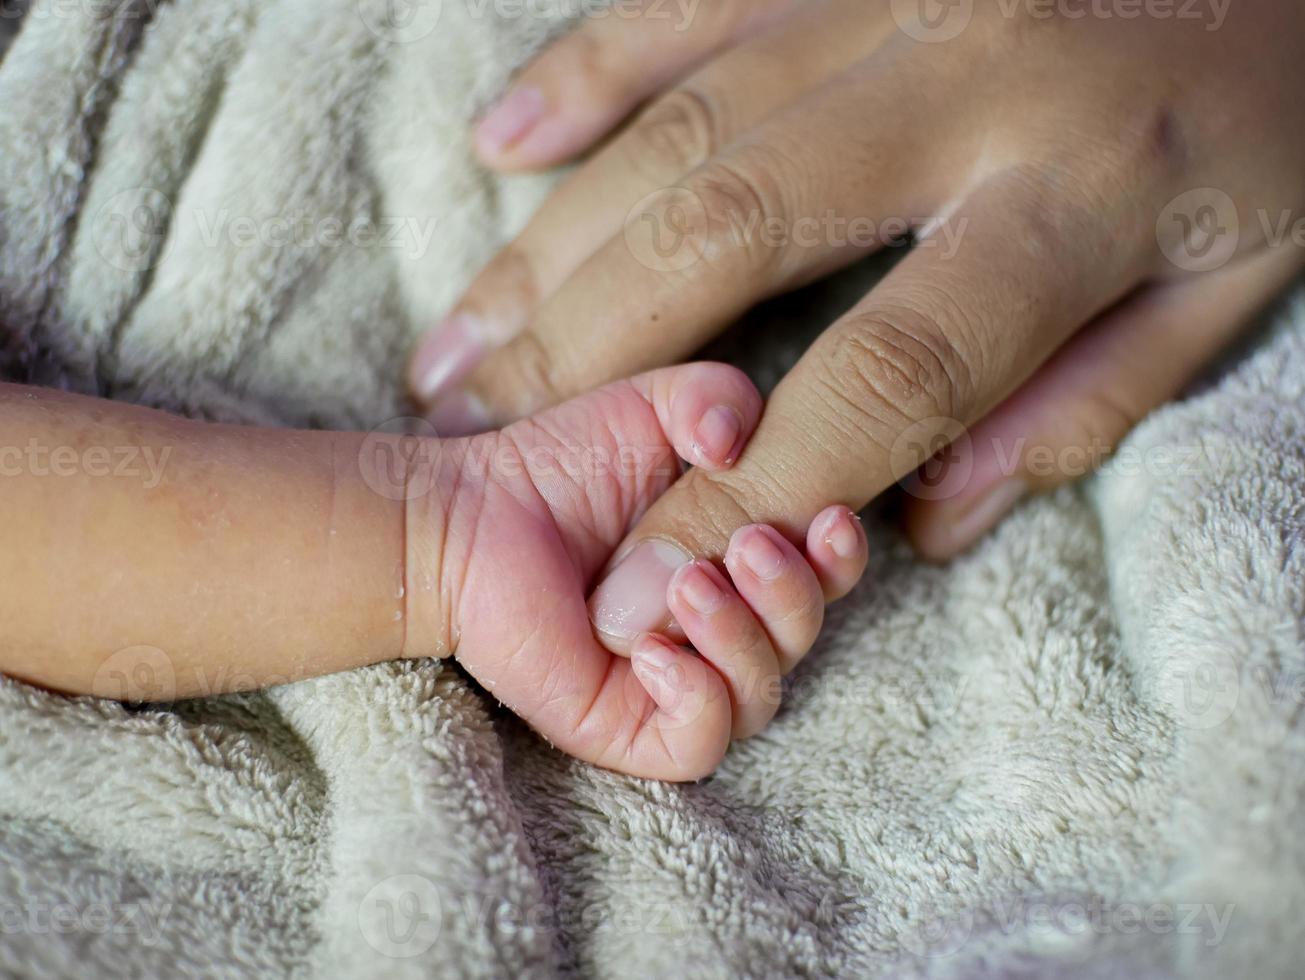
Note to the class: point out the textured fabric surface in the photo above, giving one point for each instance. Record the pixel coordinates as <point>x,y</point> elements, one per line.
<point>1077,751</point>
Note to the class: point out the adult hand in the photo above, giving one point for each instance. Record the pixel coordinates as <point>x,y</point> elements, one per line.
<point>1095,193</point>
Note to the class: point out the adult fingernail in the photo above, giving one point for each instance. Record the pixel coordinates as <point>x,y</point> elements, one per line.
<point>460,413</point>
<point>632,599</point>
<point>715,440</point>
<point>760,554</point>
<point>510,119</point>
<point>698,589</point>
<point>448,354</point>
<point>844,535</point>
<point>989,507</point>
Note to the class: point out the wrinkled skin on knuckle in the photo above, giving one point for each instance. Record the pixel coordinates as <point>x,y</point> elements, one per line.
<point>738,198</point>
<point>675,135</point>
<point>707,508</point>
<point>888,369</point>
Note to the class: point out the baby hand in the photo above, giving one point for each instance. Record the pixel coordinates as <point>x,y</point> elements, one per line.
<point>526,519</point>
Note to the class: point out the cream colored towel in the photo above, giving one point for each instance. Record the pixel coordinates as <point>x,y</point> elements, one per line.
<point>1077,751</point>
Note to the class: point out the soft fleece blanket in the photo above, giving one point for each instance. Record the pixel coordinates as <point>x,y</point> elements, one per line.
<point>1076,751</point>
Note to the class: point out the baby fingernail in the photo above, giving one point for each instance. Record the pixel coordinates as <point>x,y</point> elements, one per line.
<point>715,440</point>
<point>761,555</point>
<point>460,413</point>
<point>697,588</point>
<point>844,536</point>
<point>510,119</point>
<point>632,599</point>
<point>448,354</point>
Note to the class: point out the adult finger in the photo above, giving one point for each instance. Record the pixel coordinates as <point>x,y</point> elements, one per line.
<point>776,209</point>
<point>940,342</point>
<point>586,82</point>
<point>679,132</point>
<point>1069,417</point>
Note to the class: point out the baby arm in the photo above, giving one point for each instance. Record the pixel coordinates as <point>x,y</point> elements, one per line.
<point>245,556</point>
